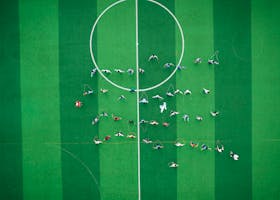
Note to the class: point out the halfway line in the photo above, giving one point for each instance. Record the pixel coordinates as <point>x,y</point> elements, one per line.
<point>137,101</point>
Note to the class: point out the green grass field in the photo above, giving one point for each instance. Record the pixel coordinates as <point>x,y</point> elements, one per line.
<point>46,143</point>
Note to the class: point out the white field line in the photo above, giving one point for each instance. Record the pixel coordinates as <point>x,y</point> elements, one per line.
<point>138,104</point>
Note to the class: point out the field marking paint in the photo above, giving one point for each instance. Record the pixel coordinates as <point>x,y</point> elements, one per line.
<point>138,103</point>
<point>137,71</point>
<point>125,88</point>
<point>76,158</point>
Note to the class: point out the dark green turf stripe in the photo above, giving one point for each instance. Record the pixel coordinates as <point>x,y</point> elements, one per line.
<point>232,37</point>
<point>80,158</point>
<point>40,99</point>
<point>10,125</point>
<point>196,177</point>
<point>157,35</point>
<point>266,98</point>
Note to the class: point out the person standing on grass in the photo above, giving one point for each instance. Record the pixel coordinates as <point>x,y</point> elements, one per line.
<point>147,141</point>
<point>168,65</point>
<point>197,61</point>
<point>88,92</point>
<point>178,92</point>
<point>106,71</point>
<point>234,156</point>
<point>187,92</point>
<point>220,149</point>
<point>144,101</point>
<point>130,71</point>
<point>78,104</point>
<point>154,123</point>
<point>103,114</point>
<point>205,91</point>
<point>204,147</point>
<point>173,165</point>
<point>157,97</point>
<point>179,144</point>
<point>131,136</point>
<point>103,90</point>
<point>97,141</point>
<point>95,120</point>
<point>173,113</point>
<point>153,57</point>
<point>119,71</point>
<point>163,107</point>
<point>193,145</point>
<point>121,97</point>
<point>141,71</point>
<point>179,67</point>
<point>169,94</point>
<point>212,62</point>
<point>143,121</point>
<point>119,134</point>
<point>93,72</point>
<point>158,146</point>
<point>214,113</point>
<point>107,137</point>
<point>199,118</point>
<point>116,118</point>
<point>186,118</point>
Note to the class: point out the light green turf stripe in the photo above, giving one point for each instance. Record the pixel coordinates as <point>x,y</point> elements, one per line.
<point>196,177</point>
<point>265,98</point>
<point>40,99</point>
<point>116,49</point>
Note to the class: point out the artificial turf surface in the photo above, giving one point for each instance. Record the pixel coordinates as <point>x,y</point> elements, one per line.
<point>46,143</point>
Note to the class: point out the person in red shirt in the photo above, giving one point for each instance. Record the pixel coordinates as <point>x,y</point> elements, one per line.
<point>78,104</point>
<point>108,137</point>
<point>116,118</point>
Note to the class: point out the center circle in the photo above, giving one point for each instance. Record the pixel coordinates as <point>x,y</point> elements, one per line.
<point>125,88</point>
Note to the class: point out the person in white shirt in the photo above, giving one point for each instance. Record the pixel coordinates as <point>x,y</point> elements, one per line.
<point>187,92</point>
<point>163,107</point>
<point>119,134</point>
<point>234,156</point>
<point>153,57</point>
<point>220,149</point>
<point>120,71</point>
<point>197,60</point>
<point>205,91</point>
<point>186,118</point>
<point>92,72</point>
<point>214,113</point>
<point>199,118</point>
<point>144,101</point>
<point>106,71</point>
<point>173,165</point>
<point>173,113</point>
<point>157,97</point>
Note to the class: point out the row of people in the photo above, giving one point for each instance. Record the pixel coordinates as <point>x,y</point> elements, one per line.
<point>158,145</point>
<point>185,117</point>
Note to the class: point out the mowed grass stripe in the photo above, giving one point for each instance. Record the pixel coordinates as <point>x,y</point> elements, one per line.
<point>196,178</point>
<point>157,36</point>
<point>40,99</point>
<point>266,98</point>
<point>80,157</point>
<point>115,47</point>
<point>10,126</point>
<point>232,36</point>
